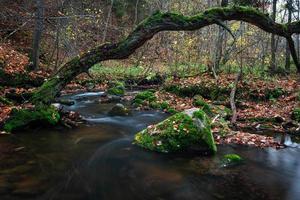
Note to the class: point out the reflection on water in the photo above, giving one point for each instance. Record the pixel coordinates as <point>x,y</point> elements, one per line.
<point>98,161</point>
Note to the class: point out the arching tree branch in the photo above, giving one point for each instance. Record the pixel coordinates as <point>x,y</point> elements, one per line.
<point>146,30</point>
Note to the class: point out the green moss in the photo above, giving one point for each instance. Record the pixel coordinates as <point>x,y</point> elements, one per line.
<point>116,91</point>
<point>274,93</point>
<point>172,111</point>
<point>146,97</point>
<point>296,114</point>
<point>153,105</point>
<point>116,88</point>
<point>177,18</point>
<point>177,133</point>
<point>207,109</point>
<point>262,120</point>
<point>24,117</point>
<point>47,92</point>
<point>231,159</point>
<point>199,102</point>
<point>213,92</point>
<point>139,102</point>
<point>164,105</point>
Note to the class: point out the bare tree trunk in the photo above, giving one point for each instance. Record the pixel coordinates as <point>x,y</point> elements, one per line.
<point>218,49</point>
<point>287,50</point>
<point>37,36</point>
<point>136,12</point>
<point>298,38</point>
<point>293,51</point>
<point>107,21</point>
<point>232,96</point>
<point>273,47</point>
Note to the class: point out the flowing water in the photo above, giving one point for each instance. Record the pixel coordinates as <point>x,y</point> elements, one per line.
<point>98,161</point>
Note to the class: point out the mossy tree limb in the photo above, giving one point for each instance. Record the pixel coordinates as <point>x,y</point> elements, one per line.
<point>147,29</point>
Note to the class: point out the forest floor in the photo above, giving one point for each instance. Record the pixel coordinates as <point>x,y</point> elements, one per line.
<point>263,104</point>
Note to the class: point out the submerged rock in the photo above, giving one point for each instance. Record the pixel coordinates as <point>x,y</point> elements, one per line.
<point>119,110</point>
<point>66,102</point>
<point>110,99</point>
<point>231,160</point>
<point>183,131</point>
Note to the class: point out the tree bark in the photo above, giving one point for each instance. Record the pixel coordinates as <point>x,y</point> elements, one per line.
<point>293,52</point>
<point>232,96</point>
<point>273,47</point>
<point>39,21</point>
<point>287,50</point>
<point>145,31</point>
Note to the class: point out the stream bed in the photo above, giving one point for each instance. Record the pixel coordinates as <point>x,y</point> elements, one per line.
<point>98,161</point>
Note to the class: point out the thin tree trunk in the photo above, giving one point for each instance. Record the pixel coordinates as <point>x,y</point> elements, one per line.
<point>232,96</point>
<point>107,21</point>
<point>37,36</point>
<point>273,47</point>
<point>293,51</point>
<point>287,49</point>
<point>136,12</point>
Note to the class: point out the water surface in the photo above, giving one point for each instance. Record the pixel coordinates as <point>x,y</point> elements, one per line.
<point>98,161</point>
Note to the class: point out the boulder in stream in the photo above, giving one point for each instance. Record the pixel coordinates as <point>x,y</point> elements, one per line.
<point>119,110</point>
<point>110,99</point>
<point>188,130</point>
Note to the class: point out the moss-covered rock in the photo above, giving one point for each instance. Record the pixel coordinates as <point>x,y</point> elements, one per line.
<point>145,97</point>
<point>185,130</point>
<point>25,117</point>
<point>213,92</point>
<point>210,109</point>
<point>164,105</point>
<point>231,159</point>
<point>116,88</point>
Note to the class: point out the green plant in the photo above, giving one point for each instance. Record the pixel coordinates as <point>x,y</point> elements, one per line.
<point>164,105</point>
<point>296,114</point>
<point>199,102</point>
<point>117,88</point>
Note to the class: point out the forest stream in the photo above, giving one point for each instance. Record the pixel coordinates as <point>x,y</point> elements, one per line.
<point>97,160</point>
